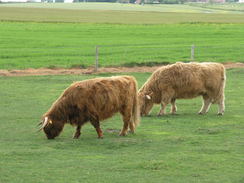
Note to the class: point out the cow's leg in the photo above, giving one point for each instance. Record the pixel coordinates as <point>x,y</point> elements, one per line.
<point>173,106</point>
<point>132,127</point>
<point>206,104</point>
<point>221,107</point>
<point>167,97</point>
<point>164,103</point>
<point>96,125</point>
<point>127,123</point>
<point>126,112</point>
<point>77,133</point>
<point>162,110</point>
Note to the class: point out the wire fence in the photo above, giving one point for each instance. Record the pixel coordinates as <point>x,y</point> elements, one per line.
<point>115,55</point>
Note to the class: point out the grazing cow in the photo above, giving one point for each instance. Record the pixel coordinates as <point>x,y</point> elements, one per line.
<point>184,81</point>
<point>94,100</point>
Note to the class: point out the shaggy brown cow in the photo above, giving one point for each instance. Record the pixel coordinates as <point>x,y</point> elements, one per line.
<point>94,100</point>
<point>184,81</point>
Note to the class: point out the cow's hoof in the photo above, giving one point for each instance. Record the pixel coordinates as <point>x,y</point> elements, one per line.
<point>131,132</point>
<point>100,137</point>
<point>76,136</point>
<point>50,138</point>
<point>122,134</point>
<point>220,114</point>
<point>200,113</point>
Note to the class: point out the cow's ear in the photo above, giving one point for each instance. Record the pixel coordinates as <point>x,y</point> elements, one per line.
<point>148,97</point>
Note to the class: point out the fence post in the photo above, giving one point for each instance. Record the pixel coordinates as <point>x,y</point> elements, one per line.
<point>193,52</point>
<point>96,60</point>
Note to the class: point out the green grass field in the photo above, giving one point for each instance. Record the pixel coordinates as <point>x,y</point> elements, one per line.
<point>115,13</point>
<point>34,45</point>
<point>182,148</point>
<point>52,35</point>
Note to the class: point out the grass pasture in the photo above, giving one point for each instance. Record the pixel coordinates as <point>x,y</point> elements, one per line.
<point>115,13</point>
<point>50,15</point>
<point>33,45</point>
<point>34,35</point>
<point>182,148</point>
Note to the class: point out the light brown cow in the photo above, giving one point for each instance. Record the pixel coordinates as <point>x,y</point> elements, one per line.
<point>184,81</point>
<point>94,100</point>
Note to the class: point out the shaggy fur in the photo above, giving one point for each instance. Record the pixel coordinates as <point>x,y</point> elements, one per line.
<point>184,81</point>
<point>94,100</point>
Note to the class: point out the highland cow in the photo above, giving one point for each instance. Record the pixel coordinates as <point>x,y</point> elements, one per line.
<point>92,101</point>
<point>184,81</point>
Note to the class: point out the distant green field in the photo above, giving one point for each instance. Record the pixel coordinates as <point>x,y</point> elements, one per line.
<point>115,13</point>
<point>184,8</point>
<point>238,7</point>
<point>34,45</point>
<point>182,148</point>
<point>65,35</point>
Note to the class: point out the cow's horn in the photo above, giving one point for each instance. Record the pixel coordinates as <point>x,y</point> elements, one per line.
<point>148,97</point>
<point>44,123</point>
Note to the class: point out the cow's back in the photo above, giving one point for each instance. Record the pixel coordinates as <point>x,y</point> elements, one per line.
<point>187,80</point>
<point>104,96</point>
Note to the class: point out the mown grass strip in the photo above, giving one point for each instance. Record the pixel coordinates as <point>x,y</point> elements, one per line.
<point>111,16</point>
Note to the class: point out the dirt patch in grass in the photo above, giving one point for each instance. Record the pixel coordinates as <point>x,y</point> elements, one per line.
<point>62,71</point>
<point>109,130</point>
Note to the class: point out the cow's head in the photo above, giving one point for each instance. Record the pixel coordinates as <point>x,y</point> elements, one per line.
<point>145,102</point>
<point>52,128</point>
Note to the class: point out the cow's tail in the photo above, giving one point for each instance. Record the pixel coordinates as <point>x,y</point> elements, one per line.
<point>136,108</point>
<point>220,94</point>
